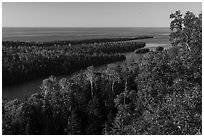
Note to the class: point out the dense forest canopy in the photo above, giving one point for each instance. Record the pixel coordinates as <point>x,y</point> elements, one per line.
<point>162,94</point>
<point>23,61</point>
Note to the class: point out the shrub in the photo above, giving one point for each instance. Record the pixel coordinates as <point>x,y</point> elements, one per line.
<point>159,48</point>
<point>142,51</point>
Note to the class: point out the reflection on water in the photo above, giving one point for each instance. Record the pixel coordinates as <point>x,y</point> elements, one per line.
<point>23,90</point>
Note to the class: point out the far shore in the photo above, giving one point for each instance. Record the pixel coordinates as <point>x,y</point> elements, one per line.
<point>78,42</point>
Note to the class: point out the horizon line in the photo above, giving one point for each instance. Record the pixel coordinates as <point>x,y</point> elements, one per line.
<point>83,27</point>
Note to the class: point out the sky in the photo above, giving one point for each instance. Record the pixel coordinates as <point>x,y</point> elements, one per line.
<point>115,14</point>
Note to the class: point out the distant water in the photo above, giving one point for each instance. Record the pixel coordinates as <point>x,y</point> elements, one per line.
<point>57,34</point>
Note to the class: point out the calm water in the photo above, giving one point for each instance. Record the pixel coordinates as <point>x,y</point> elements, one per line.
<point>53,34</point>
<point>47,34</point>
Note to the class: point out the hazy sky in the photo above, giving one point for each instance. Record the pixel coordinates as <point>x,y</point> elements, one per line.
<point>68,14</point>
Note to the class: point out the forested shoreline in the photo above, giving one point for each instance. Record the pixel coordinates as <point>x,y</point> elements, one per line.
<point>160,95</point>
<point>27,61</point>
<point>76,42</point>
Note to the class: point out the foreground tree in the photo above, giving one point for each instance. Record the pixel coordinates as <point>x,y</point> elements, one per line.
<point>169,96</point>
<point>187,35</point>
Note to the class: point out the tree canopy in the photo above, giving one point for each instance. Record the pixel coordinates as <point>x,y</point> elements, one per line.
<point>161,95</point>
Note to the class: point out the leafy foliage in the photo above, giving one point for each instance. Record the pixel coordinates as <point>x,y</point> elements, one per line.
<point>169,96</point>
<point>160,95</point>
<point>26,61</point>
<point>159,48</point>
<point>142,51</point>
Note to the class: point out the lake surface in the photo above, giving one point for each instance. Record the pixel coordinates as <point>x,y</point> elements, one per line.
<point>55,34</point>
<point>23,90</point>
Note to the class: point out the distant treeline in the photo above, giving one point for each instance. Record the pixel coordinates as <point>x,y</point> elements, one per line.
<point>75,42</point>
<point>26,61</point>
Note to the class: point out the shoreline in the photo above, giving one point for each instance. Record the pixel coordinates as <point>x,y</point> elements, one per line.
<point>35,84</point>
<point>80,41</point>
<point>23,55</point>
